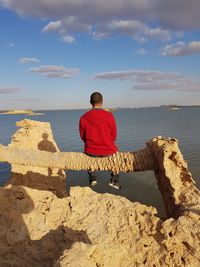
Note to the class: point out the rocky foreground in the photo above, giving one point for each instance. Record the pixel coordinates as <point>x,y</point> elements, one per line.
<point>89,229</point>
<point>41,226</point>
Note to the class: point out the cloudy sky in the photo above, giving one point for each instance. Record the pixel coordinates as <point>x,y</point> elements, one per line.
<point>138,53</point>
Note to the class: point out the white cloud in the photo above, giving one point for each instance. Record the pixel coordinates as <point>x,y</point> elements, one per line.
<point>129,27</point>
<point>141,51</point>
<point>100,35</point>
<point>11,90</point>
<point>53,71</point>
<point>68,24</point>
<point>52,26</point>
<point>27,60</point>
<point>105,30</point>
<point>158,33</point>
<point>181,49</point>
<point>153,80</point>
<point>65,26</point>
<point>173,14</point>
<point>74,24</point>
<point>98,9</point>
<point>103,18</point>
<point>178,14</point>
<point>140,39</point>
<point>68,39</point>
<point>134,28</point>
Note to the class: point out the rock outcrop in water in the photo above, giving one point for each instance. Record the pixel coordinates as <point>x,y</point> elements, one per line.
<point>41,226</point>
<point>21,111</point>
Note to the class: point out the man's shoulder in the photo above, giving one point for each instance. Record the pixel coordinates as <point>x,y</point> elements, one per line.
<point>105,111</point>
<point>108,113</point>
<point>84,115</point>
<point>97,112</point>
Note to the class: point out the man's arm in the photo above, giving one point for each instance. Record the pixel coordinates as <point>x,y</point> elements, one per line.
<point>82,129</point>
<point>113,128</point>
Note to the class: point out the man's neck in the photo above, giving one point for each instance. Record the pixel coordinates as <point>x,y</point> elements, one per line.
<point>97,106</point>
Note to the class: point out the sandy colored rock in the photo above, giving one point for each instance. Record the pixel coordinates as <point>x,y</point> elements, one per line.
<point>90,229</point>
<point>37,136</point>
<point>21,111</point>
<point>41,226</point>
<point>175,182</point>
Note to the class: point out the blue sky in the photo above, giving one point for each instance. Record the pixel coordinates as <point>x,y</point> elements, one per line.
<point>137,53</point>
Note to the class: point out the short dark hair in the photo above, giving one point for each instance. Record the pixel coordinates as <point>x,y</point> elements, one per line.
<point>96,98</point>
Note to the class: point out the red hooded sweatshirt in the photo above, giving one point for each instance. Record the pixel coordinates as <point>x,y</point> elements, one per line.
<point>98,131</point>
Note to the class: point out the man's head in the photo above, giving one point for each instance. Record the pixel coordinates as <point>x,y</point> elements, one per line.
<point>96,99</point>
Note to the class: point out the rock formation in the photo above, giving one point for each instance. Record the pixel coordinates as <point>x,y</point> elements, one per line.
<point>21,111</point>
<point>175,182</point>
<point>42,227</point>
<point>36,136</point>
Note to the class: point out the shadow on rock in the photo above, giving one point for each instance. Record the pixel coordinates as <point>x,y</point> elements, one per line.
<point>36,180</point>
<point>46,145</point>
<point>16,246</point>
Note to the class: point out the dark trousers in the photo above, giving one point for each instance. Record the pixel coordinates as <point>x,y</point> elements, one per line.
<point>93,174</point>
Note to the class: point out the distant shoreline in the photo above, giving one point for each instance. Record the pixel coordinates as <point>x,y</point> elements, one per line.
<point>21,111</point>
<point>41,111</point>
<point>179,106</point>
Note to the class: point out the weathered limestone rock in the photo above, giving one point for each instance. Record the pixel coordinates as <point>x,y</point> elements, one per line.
<point>174,180</point>
<point>88,229</point>
<point>36,136</point>
<point>140,160</point>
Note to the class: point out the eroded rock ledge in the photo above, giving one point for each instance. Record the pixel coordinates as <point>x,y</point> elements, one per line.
<point>41,226</point>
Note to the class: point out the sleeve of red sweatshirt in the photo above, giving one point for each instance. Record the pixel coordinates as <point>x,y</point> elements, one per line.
<point>82,129</point>
<point>113,128</point>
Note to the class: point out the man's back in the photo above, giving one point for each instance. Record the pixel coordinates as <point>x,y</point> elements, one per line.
<point>98,131</point>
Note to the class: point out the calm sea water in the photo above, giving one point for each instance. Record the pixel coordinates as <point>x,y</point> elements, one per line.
<point>135,127</point>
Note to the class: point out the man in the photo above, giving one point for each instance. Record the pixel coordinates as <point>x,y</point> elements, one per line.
<point>98,131</point>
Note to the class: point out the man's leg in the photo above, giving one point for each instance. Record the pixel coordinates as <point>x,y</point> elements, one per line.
<point>92,178</point>
<point>114,181</point>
